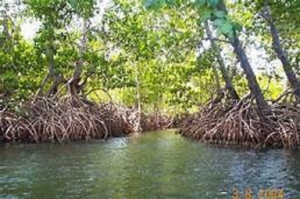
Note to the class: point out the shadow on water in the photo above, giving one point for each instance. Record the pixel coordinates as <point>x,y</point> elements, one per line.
<point>151,165</point>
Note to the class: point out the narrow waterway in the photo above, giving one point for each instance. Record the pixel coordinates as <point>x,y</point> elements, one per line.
<point>152,165</point>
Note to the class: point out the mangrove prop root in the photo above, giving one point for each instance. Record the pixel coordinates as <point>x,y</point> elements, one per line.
<point>156,121</point>
<point>240,124</point>
<point>69,118</point>
<point>75,118</point>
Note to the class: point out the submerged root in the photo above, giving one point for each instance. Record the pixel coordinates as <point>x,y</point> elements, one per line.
<point>240,124</point>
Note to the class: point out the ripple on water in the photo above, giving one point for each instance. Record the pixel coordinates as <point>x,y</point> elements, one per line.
<point>152,165</point>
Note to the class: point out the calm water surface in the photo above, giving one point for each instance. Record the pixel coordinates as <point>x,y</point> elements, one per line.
<point>153,165</point>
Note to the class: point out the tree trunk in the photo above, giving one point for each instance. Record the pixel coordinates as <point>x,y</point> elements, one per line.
<point>217,78</point>
<point>51,74</point>
<point>228,83</point>
<point>251,78</point>
<point>40,91</point>
<point>287,67</point>
<point>51,69</point>
<point>138,98</point>
<point>74,86</point>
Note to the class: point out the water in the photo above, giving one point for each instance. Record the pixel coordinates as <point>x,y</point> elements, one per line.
<point>153,165</point>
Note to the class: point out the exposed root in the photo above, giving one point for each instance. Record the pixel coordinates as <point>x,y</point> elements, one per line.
<point>239,124</point>
<point>75,118</point>
<point>69,118</point>
<point>12,127</point>
<point>156,121</point>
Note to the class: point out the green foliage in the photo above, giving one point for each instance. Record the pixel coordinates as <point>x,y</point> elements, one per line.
<point>209,10</point>
<point>156,48</point>
<point>18,63</point>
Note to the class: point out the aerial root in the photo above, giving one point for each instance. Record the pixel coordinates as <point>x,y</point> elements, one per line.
<point>156,121</point>
<point>69,118</point>
<point>75,118</point>
<point>240,123</point>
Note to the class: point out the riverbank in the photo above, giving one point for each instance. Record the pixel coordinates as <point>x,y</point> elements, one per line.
<point>75,118</point>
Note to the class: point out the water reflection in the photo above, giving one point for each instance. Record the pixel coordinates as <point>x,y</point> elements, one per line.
<point>154,165</point>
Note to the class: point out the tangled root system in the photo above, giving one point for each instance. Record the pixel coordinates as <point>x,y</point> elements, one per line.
<point>155,121</point>
<point>75,118</point>
<point>70,118</point>
<point>240,124</point>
